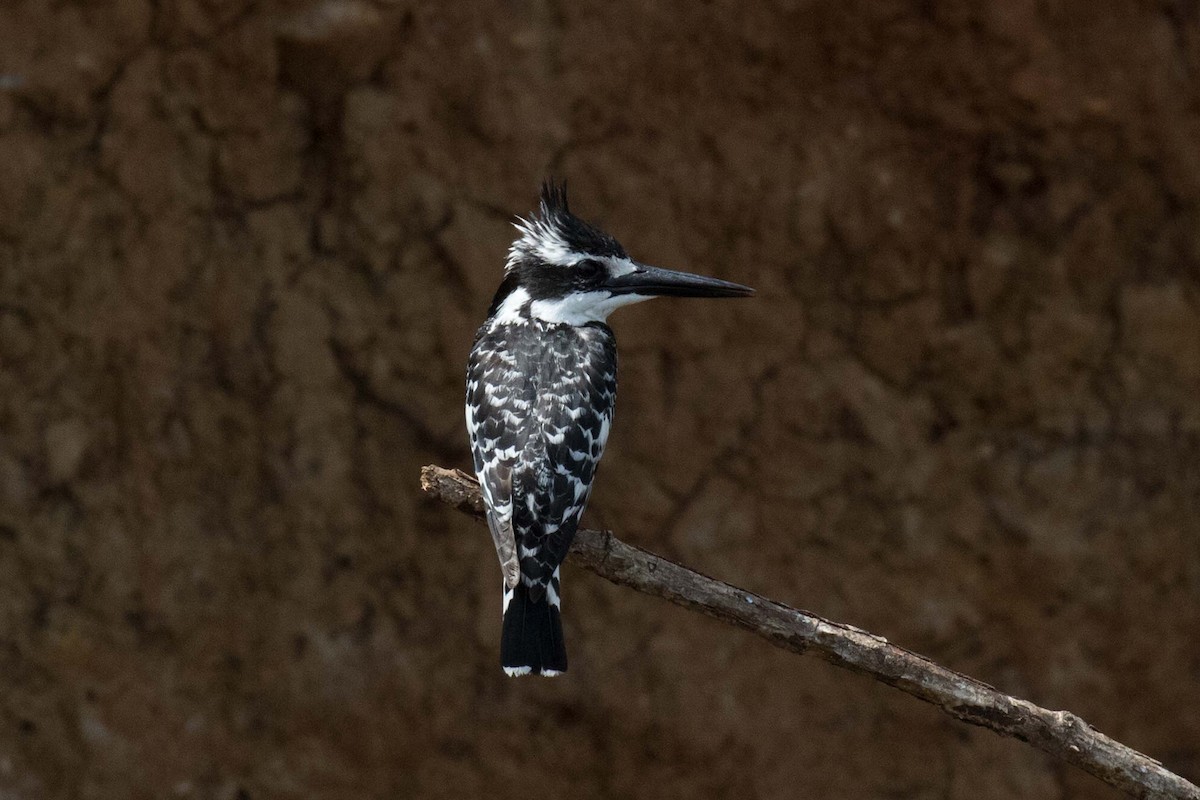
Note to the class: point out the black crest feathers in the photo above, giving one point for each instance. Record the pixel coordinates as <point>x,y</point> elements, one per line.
<point>554,234</point>
<point>554,199</point>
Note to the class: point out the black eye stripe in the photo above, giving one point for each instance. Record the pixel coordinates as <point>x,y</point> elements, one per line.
<point>589,267</point>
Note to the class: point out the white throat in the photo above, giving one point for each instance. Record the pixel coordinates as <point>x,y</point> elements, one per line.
<point>574,309</point>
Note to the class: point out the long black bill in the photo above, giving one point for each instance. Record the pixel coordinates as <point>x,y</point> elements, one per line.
<point>669,283</point>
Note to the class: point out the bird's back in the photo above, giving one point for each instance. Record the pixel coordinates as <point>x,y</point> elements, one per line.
<point>540,401</point>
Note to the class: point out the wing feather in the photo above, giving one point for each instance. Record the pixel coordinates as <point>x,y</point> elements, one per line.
<point>494,420</point>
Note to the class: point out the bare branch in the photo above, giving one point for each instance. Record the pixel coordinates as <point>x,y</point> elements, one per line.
<point>1059,733</point>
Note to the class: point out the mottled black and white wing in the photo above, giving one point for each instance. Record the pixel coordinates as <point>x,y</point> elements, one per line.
<point>577,384</point>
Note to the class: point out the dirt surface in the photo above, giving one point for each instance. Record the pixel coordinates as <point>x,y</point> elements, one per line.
<point>244,248</point>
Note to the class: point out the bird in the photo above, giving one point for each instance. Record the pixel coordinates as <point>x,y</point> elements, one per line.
<point>540,392</point>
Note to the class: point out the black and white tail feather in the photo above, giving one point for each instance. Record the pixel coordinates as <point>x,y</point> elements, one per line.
<point>541,385</point>
<point>532,636</point>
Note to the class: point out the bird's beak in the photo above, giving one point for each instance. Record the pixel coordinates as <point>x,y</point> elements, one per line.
<point>652,281</point>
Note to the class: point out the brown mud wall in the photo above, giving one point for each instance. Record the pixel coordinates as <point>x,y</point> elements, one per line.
<point>243,250</point>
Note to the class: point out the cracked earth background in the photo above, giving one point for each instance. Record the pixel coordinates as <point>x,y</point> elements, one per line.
<point>244,248</point>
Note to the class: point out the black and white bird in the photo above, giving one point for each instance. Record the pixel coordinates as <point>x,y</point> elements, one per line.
<point>541,383</point>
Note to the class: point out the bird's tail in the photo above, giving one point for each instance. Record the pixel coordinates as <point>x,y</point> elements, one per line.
<point>532,638</point>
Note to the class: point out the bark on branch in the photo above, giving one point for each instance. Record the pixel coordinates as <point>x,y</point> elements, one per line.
<point>1059,733</point>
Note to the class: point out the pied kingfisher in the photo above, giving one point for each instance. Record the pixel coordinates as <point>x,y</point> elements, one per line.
<point>541,383</point>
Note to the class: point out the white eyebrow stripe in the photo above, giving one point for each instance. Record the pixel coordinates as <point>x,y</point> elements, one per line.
<point>621,266</point>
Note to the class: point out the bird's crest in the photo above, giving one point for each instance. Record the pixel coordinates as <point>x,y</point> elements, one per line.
<point>555,235</point>
<point>554,199</point>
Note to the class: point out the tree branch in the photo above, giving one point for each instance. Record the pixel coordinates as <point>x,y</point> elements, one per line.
<point>1059,733</point>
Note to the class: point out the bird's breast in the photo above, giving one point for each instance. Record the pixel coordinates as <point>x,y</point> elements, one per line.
<point>542,351</point>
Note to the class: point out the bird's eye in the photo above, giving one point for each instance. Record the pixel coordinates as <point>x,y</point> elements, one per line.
<point>589,267</point>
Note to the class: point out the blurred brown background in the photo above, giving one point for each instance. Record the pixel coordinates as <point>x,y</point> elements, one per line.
<point>243,251</point>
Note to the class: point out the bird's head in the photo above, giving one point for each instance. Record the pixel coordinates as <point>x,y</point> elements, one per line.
<point>562,269</point>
